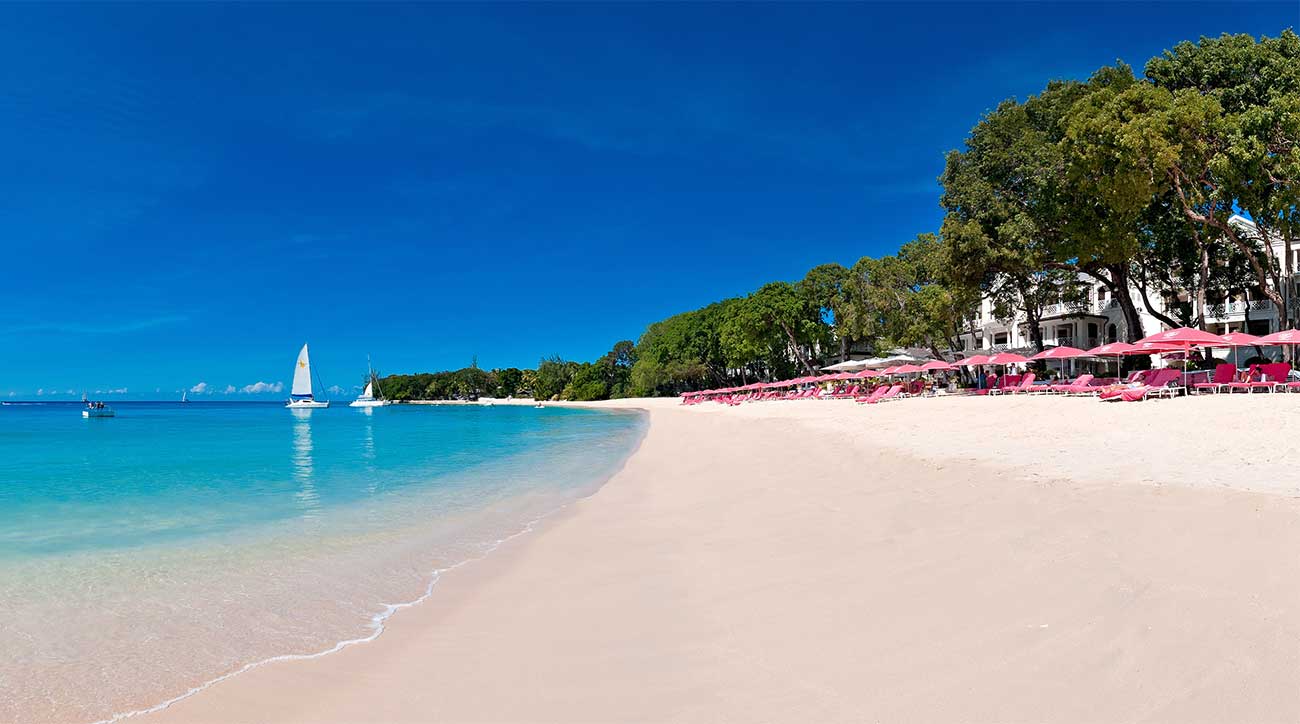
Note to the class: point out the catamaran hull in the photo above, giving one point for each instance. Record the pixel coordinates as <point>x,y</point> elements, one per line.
<point>97,413</point>
<point>306,404</point>
<point>370,403</point>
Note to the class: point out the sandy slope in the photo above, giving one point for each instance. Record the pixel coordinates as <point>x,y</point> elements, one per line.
<point>929,560</point>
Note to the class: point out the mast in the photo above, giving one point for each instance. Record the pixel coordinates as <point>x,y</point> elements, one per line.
<point>374,379</point>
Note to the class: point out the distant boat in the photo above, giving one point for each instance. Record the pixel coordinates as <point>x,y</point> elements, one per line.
<point>97,409</point>
<point>372,396</point>
<point>184,399</point>
<point>301,397</point>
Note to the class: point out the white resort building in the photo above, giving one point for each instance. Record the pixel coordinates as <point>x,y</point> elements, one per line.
<point>1098,319</point>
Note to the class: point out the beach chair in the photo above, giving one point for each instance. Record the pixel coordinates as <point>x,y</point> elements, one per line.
<point>1271,377</point>
<point>1156,383</point>
<point>1166,383</point>
<point>1007,382</point>
<point>892,393</point>
<point>1223,376</point>
<point>1079,386</point>
<point>876,394</point>
<point>1061,387</point>
<point>1242,383</point>
<point>1292,385</point>
<point>1026,385</point>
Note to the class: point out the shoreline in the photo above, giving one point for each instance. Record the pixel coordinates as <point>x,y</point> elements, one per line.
<point>652,598</point>
<point>377,624</point>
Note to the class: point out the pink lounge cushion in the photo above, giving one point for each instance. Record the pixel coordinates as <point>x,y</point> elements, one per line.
<point>1135,394</point>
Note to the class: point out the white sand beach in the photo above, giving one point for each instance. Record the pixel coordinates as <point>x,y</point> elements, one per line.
<point>927,560</point>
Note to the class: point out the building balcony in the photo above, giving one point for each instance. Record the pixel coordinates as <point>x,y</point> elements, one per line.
<point>1226,311</point>
<point>1071,341</point>
<point>1067,309</point>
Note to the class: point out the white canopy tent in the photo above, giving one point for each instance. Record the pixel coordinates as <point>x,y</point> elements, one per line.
<point>852,365</point>
<point>892,360</point>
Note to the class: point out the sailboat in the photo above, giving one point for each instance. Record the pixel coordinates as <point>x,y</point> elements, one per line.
<point>372,396</point>
<point>301,397</point>
<point>184,398</point>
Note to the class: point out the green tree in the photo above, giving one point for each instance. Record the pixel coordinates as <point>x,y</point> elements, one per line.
<point>553,375</point>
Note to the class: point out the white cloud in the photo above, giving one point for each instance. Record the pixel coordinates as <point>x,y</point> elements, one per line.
<point>69,392</point>
<point>118,391</point>
<point>230,390</point>
<point>260,387</point>
<point>40,392</point>
<point>335,389</point>
<point>200,388</point>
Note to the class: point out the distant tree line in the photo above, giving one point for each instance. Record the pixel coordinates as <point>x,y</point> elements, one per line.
<point>463,384</point>
<point>1124,181</point>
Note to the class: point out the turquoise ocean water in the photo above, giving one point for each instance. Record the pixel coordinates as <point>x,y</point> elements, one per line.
<point>148,554</point>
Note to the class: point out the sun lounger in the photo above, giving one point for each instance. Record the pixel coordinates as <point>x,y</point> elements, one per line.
<point>1223,376</point>
<point>1005,385</point>
<point>891,394</point>
<point>1158,384</point>
<point>1242,383</point>
<point>1271,377</point>
<point>1168,384</point>
<point>876,394</point>
<point>1026,385</point>
<point>1080,383</point>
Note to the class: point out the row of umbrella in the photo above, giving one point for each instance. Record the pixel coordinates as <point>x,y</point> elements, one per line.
<point>1182,339</point>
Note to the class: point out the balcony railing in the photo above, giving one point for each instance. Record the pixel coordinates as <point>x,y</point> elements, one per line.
<point>1233,309</point>
<point>1063,308</point>
<point>1104,304</point>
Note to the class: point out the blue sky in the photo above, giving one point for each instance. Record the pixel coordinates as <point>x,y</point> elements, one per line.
<point>192,191</point>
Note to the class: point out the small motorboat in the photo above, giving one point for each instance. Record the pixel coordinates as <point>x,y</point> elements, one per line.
<point>97,409</point>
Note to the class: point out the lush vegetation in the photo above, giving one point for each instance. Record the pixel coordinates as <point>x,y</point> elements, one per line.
<point>1125,181</point>
<point>464,384</point>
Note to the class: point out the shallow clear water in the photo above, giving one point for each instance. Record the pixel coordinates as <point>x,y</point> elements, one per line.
<point>146,554</point>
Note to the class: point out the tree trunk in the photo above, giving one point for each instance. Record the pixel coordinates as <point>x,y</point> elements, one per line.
<point>1166,319</point>
<point>1202,284</point>
<point>1132,319</point>
<point>794,344</point>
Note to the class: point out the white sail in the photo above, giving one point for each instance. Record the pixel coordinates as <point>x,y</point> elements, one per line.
<point>368,394</point>
<point>302,375</point>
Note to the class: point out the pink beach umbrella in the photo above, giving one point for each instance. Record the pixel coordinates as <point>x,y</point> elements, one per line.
<point>1240,339</point>
<point>1290,336</point>
<point>1286,337</point>
<point>1002,359</point>
<point>1061,353</point>
<point>1183,338</point>
<point>1006,358</point>
<point>1114,349</point>
<point>907,369</point>
<point>972,362</point>
<point>936,366</point>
